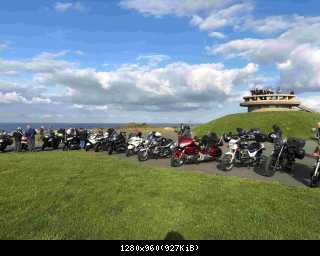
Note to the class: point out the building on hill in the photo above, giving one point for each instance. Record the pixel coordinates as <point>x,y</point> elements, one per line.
<point>267,100</point>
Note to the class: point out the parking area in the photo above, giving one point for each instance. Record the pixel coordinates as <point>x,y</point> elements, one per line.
<point>300,177</point>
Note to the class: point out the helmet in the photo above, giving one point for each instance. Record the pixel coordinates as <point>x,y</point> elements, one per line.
<point>318,125</point>
<point>158,134</point>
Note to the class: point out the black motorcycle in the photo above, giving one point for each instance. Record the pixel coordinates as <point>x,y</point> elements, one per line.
<point>284,155</point>
<point>114,142</point>
<point>156,148</point>
<point>5,141</point>
<point>51,141</point>
<point>71,143</point>
<point>117,143</point>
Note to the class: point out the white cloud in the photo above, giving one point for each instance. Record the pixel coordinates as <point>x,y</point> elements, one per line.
<point>312,102</point>
<point>40,100</point>
<point>302,69</point>
<point>11,97</point>
<point>276,24</point>
<point>217,35</point>
<point>174,7</point>
<point>153,60</point>
<point>142,86</point>
<point>207,15</point>
<point>295,53</point>
<point>229,16</point>
<point>68,6</point>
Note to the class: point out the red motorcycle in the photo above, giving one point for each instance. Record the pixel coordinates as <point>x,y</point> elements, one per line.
<point>190,150</point>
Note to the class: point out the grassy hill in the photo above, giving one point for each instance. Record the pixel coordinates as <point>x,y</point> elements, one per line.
<point>77,195</point>
<point>298,124</point>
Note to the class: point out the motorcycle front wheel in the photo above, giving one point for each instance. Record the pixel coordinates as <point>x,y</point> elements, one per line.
<point>269,169</point>
<point>98,148</point>
<point>315,181</point>
<point>177,162</point>
<point>226,163</point>
<point>130,152</point>
<point>143,156</point>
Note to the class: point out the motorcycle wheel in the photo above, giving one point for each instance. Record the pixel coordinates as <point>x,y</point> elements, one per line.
<point>166,153</point>
<point>226,163</point>
<point>175,162</point>
<point>315,181</point>
<point>269,169</point>
<point>260,165</point>
<point>98,148</point>
<point>129,152</point>
<point>87,148</point>
<point>143,156</point>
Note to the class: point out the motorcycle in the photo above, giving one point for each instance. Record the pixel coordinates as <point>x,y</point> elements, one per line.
<point>248,135</point>
<point>243,153</point>
<point>51,141</point>
<point>94,140</point>
<point>71,143</point>
<point>189,150</point>
<point>284,154</point>
<point>134,145</point>
<point>117,143</point>
<point>155,147</point>
<point>113,142</point>
<point>5,141</point>
<point>315,176</point>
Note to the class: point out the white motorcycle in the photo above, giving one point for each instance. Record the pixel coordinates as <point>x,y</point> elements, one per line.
<point>243,153</point>
<point>134,145</point>
<point>94,139</point>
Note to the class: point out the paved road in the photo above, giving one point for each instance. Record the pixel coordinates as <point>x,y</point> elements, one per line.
<point>300,177</point>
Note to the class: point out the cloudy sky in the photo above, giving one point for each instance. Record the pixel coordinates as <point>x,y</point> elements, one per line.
<point>152,60</point>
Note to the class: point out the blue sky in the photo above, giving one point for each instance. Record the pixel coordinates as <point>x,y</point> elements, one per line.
<point>152,61</point>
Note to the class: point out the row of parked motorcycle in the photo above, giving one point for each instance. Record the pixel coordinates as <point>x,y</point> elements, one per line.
<point>245,148</point>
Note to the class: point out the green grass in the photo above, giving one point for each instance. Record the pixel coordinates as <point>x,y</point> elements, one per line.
<point>297,124</point>
<point>77,195</point>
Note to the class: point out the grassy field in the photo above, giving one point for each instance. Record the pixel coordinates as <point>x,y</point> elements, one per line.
<point>77,195</point>
<point>298,124</point>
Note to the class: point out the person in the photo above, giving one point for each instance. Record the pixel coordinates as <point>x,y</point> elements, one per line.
<point>31,137</point>
<point>187,132</point>
<point>17,139</point>
<point>83,136</point>
<point>112,139</point>
<point>41,132</point>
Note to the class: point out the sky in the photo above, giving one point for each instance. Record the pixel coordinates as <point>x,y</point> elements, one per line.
<point>154,61</point>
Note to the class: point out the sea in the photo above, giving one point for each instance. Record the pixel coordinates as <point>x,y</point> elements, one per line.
<point>12,126</point>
